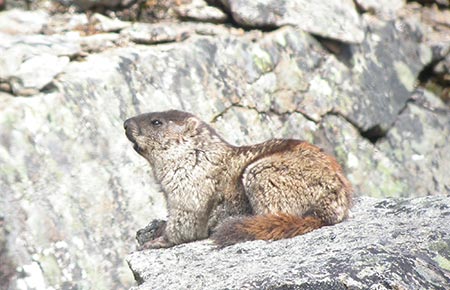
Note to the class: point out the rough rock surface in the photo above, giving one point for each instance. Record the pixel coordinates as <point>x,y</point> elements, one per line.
<point>411,149</point>
<point>199,10</point>
<point>72,190</point>
<point>86,4</point>
<point>386,244</point>
<point>424,157</point>
<point>333,19</point>
<point>22,22</point>
<point>382,92</point>
<point>383,8</point>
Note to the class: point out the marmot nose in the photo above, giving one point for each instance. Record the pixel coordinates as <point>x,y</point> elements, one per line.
<point>126,124</point>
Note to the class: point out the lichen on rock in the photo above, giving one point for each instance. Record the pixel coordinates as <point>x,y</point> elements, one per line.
<point>346,78</point>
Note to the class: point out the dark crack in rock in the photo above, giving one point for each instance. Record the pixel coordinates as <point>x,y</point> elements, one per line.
<point>386,80</point>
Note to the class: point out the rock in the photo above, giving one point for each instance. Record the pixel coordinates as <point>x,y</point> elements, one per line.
<point>414,146</point>
<point>438,35</point>
<point>386,244</point>
<point>429,101</point>
<point>420,148</point>
<point>443,67</point>
<point>198,10</point>
<point>87,4</point>
<point>36,72</point>
<point>435,27</point>
<point>6,267</point>
<point>18,22</point>
<point>148,11</point>
<point>145,33</point>
<point>101,41</point>
<point>27,4</point>
<point>335,19</point>
<point>367,167</point>
<point>441,82</point>
<point>66,22</point>
<point>386,81</point>
<point>51,239</point>
<point>240,126</point>
<point>106,24</point>
<point>383,8</point>
<point>438,2</point>
<point>29,63</point>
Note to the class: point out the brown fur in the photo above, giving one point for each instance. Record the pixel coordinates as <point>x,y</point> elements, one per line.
<point>264,227</point>
<point>279,226</point>
<point>273,190</point>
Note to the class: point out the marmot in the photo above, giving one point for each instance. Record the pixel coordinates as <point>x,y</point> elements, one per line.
<point>274,190</point>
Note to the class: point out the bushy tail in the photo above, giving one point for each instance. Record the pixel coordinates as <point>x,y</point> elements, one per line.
<point>263,227</point>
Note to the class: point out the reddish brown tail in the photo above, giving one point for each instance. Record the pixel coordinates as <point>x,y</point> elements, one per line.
<point>264,227</point>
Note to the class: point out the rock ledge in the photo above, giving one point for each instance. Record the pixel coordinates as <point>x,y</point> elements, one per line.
<point>386,244</point>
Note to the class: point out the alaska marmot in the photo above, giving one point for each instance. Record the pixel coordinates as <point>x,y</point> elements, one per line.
<point>274,190</point>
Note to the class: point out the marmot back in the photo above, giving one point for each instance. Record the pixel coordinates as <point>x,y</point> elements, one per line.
<point>272,190</point>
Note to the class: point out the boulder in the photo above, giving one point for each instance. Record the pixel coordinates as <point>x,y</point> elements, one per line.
<point>382,8</point>
<point>385,244</point>
<point>199,10</point>
<point>19,22</point>
<point>335,19</point>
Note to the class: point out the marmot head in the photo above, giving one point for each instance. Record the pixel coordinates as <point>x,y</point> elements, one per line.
<point>171,131</point>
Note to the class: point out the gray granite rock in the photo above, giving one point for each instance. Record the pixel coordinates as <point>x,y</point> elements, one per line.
<point>434,26</point>
<point>386,81</point>
<point>62,23</point>
<point>100,42</point>
<point>70,206</point>
<point>367,167</point>
<point>419,144</point>
<point>147,33</point>
<point>29,63</point>
<point>335,19</point>
<point>386,244</point>
<point>106,24</point>
<point>36,72</point>
<point>199,10</point>
<point>386,9</point>
<point>7,268</point>
<point>414,147</point>
<point>16,22</point>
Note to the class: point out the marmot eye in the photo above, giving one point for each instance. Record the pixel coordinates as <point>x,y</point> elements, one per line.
<point>156,122</point>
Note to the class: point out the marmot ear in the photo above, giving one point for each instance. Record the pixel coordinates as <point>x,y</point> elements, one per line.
<point>192,125</point>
